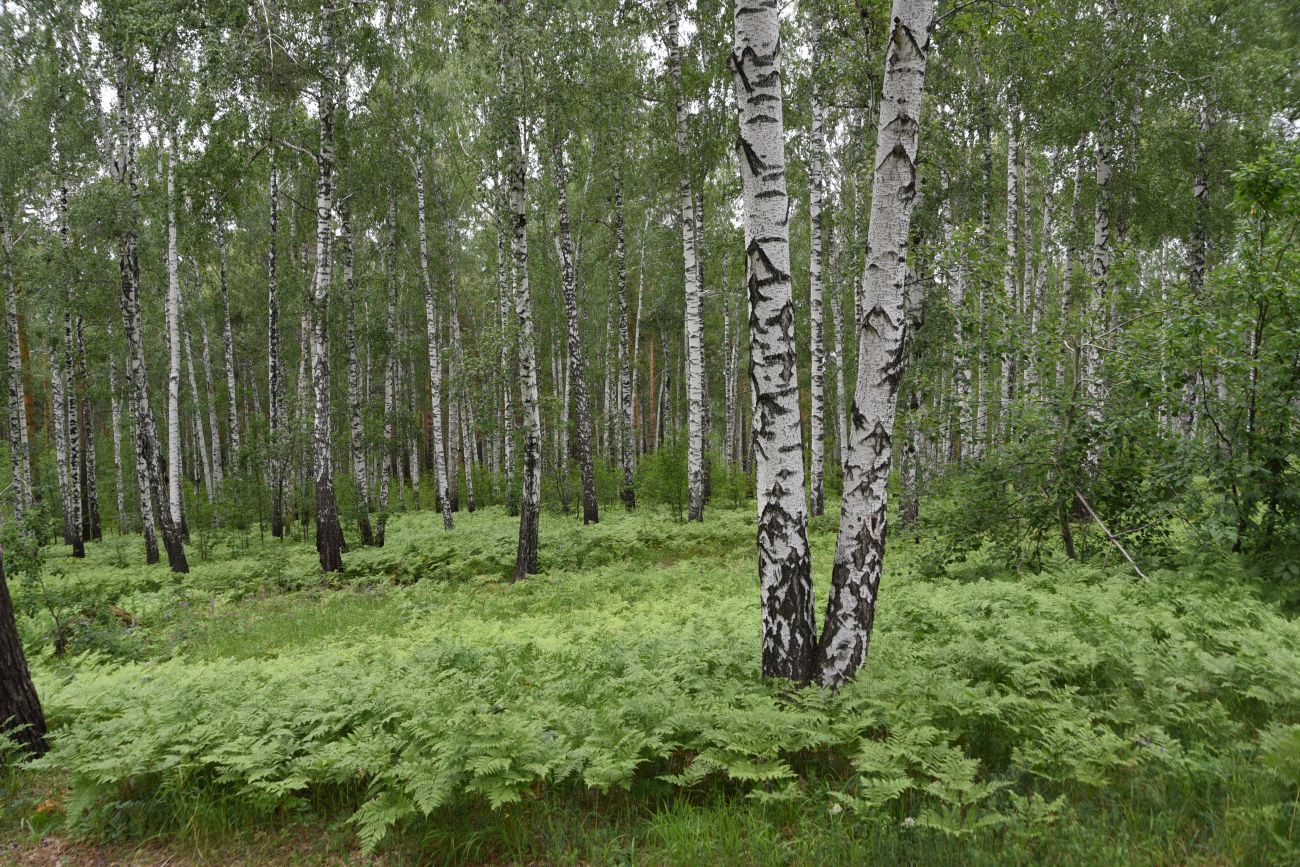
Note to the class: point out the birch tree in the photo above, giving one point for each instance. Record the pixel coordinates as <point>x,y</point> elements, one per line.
<point>784,559</point>
<point>19,448</point>
<point>530,499</point>
<point>228,346</point>
<point>329,535</point>
<point>276,421</point>
<point>860,546</point>
<point>817,184</point>
<point>576,369</point>
<point>356,428</point>
<point>148,458</point>
<point>435,356</point>
<point>694,324</point>
<point>626,396</point>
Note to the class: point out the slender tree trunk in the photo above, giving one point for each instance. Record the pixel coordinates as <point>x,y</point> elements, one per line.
<point>841,415</point>
<point>728,385</point>
<point>1039,299</point>
<point>694,323</point>
<point>504,295</point>
<point>355,425</point>
<point>467,450</point>
<point>147,457</point>
<point>58,406</point>
<point>210,391</point>
<point>1099,299</point>
<point>860,547</point>
<point>413,445</point>
<point>817,183</point>
<point>955,278</point>
<point>1065,362</point>
<point>1010,271</point>
<point>577,376</point>
<point>626,389</point>
<point>228,342</point>
<point>636,337</point>
<point>329,533</point>
<point>205,457</point>
<point>90,519</point>
<point>1192,386</point>
<point>530,501</point>
<point>115,405</point>
<point>69,403</point>
<point>390,366</point>
<point>19,450</point>
<point>459,407</point>
<point>784,559</point>
<point>277,446</point>
<point>913,452</point>
<point>174,509</point>
<point>442,481</point>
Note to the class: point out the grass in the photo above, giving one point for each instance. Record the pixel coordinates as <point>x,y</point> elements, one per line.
<point>609,709</point>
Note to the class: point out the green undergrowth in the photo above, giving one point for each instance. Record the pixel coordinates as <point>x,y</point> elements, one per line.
<point>610,708</point>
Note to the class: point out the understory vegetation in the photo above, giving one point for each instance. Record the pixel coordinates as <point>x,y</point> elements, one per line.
<point>419,708</point>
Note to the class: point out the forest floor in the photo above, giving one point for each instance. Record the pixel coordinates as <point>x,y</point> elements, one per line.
<point>420,709</point>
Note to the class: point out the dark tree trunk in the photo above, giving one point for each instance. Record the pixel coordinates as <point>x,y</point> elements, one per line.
<point>21,716</point>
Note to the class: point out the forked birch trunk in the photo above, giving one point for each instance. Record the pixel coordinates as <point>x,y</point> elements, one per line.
<point>860,547</point>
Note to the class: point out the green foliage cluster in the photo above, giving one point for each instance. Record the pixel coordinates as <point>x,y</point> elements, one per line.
<point>991,706</point>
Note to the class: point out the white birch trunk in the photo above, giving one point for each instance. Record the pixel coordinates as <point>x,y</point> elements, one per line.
<point>577,376</point>
<point>19,448</point>
<point>277,446</point>
<point>390,367</point>
<point>441,481</point>
<point>58,413</point>
<point>356,428</point>
<point>530,500</point>
<point>1010,272</point>
<point>626,389</point>
<point>860,547</point>
<point>205,457</point>
<point>173,346</point>
<point>784,559</point>
<point>504,295</point>
<point>817,182</point>
<point>115,410</point>
<point>228,343</point>
<point>210,390</point>
<point>1099,296</point>
<point>694,325</point>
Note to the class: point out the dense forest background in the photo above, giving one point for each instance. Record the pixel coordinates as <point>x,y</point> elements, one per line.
<point>358,277</point>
